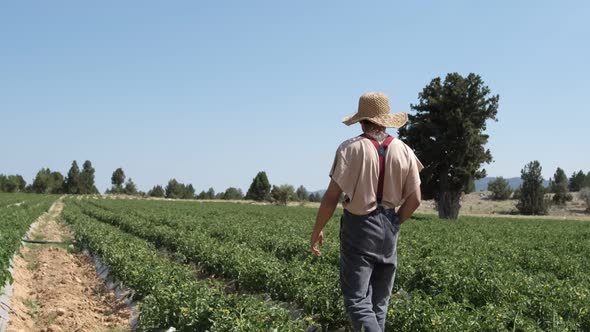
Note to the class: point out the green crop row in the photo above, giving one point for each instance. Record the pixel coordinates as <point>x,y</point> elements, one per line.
<point>254,269</point>
<point>16,198</point>
<point>269,229</point>
<point>481,274</point>
<point>170,293</point>
<point>15,220</point>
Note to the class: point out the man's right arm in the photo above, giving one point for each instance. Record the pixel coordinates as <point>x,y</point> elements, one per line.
<point>410,205</point>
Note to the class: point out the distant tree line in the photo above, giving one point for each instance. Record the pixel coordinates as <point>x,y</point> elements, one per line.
<point>260,190</point>
<point>52,182</point>
<point>82,181</point>
<point>531,194</point>
<point>12,183</point>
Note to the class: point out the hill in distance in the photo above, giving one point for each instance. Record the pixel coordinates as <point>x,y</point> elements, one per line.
<point>482,184</point>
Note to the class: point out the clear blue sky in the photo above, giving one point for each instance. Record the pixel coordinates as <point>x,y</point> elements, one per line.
<point>212,92</point>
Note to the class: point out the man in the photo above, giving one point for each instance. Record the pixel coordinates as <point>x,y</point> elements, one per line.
<point>376,173</point>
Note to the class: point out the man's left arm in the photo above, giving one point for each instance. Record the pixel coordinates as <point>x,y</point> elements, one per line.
<point>410,205</point>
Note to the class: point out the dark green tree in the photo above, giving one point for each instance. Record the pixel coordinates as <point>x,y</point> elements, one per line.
<point>283,194</point>
<point>130,187</point>
<point>3,180</point>
<point>87,179</point>
<point>302,194</point>
<point>532,194</point>
<point>47,182</point>
<point>175,189</point>
<point>210,193</point>
<point>260,188</point>
<point>72,183</point>
<point>117,180</point>
<point>232,193</point>
<point>41,182</point>
<point>157,191</point>
<point>188,192</point>
<point>19,181</point>
<point>559,186</point>
<point>202,195</point>
<point>56,183</point>
<point>447,133</point>
<point>577,181</point>
<point>12,183</point>
<point>500,188</point>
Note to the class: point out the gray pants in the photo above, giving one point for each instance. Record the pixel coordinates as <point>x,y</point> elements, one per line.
<point>368,260</point>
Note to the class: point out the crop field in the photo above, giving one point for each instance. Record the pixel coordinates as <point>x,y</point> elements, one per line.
<point>17,213</point>
<point>225,266</point>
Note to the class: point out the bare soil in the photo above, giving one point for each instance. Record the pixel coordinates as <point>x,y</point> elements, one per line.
<point>57,289</point>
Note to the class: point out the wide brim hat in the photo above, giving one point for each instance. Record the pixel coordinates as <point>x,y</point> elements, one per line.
<point>374,106</point>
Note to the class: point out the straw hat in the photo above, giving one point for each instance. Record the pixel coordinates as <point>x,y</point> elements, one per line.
<point>374,106</point>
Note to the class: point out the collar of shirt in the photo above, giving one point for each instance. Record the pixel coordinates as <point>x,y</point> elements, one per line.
<point>379,136</point>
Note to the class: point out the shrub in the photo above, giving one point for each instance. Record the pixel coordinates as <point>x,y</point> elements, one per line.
<point>282,194</point>
<point>157,191</point>
<point>500,189</point>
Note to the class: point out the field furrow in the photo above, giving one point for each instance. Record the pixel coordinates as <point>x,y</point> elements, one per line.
<point>473,274</point>
<point>170,293</point>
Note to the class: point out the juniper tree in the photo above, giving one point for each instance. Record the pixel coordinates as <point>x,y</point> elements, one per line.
<point>130,187</point>
<point>559,186</point>
<point>577,181</point>
<point>260,188</point>
<point>117,180</point>
<point>86,185</point>
<point>447,133</point>
<point>72,183</point>
<point>532,193</point>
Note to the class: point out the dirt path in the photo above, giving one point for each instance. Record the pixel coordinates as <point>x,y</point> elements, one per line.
<point>56,288</point>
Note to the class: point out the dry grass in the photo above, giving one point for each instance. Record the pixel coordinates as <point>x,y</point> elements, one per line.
<point>479,204</point>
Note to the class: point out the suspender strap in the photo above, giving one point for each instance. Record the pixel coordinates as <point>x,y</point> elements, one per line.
<point>381,148</point>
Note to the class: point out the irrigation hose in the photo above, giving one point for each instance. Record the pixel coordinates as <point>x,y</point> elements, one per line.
<point>45,242</point>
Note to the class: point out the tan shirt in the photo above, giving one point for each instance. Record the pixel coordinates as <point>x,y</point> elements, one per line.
<point>356,171</point>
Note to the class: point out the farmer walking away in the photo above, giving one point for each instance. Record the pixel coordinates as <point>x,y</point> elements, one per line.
<point>377,173</point>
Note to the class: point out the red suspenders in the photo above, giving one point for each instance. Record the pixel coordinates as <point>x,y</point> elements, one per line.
<point>381,151</point>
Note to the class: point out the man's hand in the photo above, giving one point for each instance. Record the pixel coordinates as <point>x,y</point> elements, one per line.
<point>317,238</point>
<point>325,212</point>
